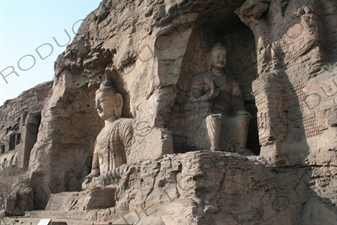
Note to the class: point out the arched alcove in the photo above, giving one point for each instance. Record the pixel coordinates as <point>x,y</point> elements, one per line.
<point>218,25</point>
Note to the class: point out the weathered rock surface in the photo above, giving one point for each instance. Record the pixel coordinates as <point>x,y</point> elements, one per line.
<point>97,198</point>
<point>19,123</point>
<point>283,55</point>
<point>206,187</point>
<point>19,127</point>
<point>20,200</point>
<point>142,47</point>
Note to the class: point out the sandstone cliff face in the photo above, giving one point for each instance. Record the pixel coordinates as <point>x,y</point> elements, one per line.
<point>283,54</point>
<point>19,122</point>
<point>204,187</point>
<point>19,127</point>
<point>296,75</point>
<point>218,188</point>
<point>141,46</point>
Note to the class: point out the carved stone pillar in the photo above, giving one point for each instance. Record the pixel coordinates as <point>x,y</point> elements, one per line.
<point>272,124</point>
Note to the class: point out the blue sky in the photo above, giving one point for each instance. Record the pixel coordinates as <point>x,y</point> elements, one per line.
<point>27,29</point>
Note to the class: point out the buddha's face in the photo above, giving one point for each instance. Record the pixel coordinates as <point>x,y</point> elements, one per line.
<point>218,58</point>
<point>105,104</point>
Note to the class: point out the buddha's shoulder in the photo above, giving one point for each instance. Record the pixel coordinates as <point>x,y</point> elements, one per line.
<point>124,121</point>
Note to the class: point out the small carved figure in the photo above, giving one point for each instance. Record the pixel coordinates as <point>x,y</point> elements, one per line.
<point>219,99</point>
<point>113,143</point>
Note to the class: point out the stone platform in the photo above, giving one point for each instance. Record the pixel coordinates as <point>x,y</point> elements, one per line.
<point>201,187</point>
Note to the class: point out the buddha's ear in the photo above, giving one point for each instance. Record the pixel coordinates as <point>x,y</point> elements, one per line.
<point>209,62</point>
<point>118,102</point>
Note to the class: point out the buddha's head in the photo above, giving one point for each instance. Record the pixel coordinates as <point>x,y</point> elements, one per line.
<point>109,102</point>
<point>218,56</point>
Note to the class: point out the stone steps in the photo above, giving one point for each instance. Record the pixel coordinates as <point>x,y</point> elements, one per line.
<point>34,217</point>
<point>34,221</point>
<point>73,215</point>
